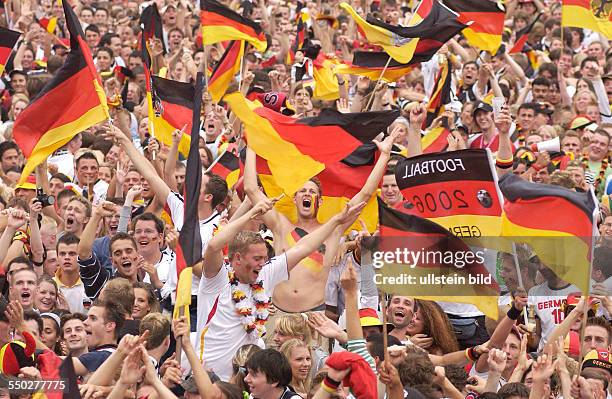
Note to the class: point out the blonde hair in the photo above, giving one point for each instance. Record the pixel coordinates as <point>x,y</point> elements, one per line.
<point>286,349</point>
<point>294,325</point>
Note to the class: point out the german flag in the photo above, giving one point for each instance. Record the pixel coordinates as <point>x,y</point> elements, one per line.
<point>72,101</point>
<point>228,167</point>
<point>340,182</point>
<point>8,39</point>
<point>52,367</point>
<point>435,140</point>
<point>172,109</point>
<point>226,69</point>
<point>48,24</point>
<point>372,64</point>
<point>436,24</point>
<point>441,93</point>
<point>455,189</point>
<point>152,27</point>
<point>441,255</point>
<point>326,84</point>
<point>293,147</point>
<point>189,250</point>
<point>487,19</point>
<point>556,222</point>
<point>219,23</point>
<point>522,36</point>
<point>587,14</point>
<point>300,36</point>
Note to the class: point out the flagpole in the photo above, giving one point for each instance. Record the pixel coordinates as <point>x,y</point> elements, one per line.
<point>585,296</point>
<point>384,329</point>
<point>371,99</point>
<point>242,73</point>
<point>520,280</point>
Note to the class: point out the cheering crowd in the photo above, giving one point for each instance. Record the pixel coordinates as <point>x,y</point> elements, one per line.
<point>285,306</point>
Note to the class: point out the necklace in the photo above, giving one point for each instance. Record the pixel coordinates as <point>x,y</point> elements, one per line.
<point>253,320</point>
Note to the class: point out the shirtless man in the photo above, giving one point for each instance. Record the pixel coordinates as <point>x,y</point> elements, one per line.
<point>305,289</point>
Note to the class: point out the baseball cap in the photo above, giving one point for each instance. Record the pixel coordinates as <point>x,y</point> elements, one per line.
<point>369,318</point>
<point>580,122</point>
<point>29,184</point>
<point>598,358</point>
<point>482,106</point>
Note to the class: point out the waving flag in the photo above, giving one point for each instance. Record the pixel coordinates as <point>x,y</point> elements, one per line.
<point>48,24</point>
<point>587,14</point>
<point>226,69</point>
<point>8,39</point>
<point>151,25</point>
<point>219,23</point>
<point>283,140</point>
<point>372,63</point>
<point>487,19</point>
<point>522,36</point>
<point>72,101</point>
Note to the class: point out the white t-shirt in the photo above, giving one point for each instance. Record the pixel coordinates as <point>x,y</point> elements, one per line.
<point>176,205</point>
<point>226,332</point>
<point>168,258</point>
<point>547,303</point>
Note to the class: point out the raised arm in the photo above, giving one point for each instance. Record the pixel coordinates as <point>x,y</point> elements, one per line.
<point>504,154</point>
<point>89,233</point>
<point>371,184</point>
<point>144,167</point>
<point>213,256</point>
<point>312,241</point>
<point>170,165</point>
<point>36,246</point>
<point>272,219</point>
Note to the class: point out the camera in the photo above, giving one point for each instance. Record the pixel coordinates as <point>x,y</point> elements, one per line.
<point>44,199</point>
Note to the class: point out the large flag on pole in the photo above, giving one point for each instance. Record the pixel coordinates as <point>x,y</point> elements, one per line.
<point>219,24</point>
<point>588,14</point>
<point>372,64</point>
<point>293,147</point>
<point>172,104</point>
<point>189,250</point>
<point>556,222</point>
<point>487,19</point>
<point>71,102</point>
<point>436,264</point>
<point>434,28</point>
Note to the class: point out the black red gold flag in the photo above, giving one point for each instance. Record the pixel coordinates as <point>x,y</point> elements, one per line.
<point>226,69</point>
<point>71,102</point>
<point>219,23</point>
<point>556,222</point>
<point>173,106</point>
<point>8,39</point>
<point>522,36</point>
<point>456,190</point>
<point>228,167</point>
<point>372,64</point>
<point>441,93</point>
<point>587,14</point>
<point>436,256</point>
<point>189,250</point>
<point>152,27</point>
<point>283,140</point>
<point>487,19</point>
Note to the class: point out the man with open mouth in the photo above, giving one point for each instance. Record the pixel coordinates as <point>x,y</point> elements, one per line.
<point>123,249</point>
<point>305,289</point>
<point>240,290</point>
<point>23,287</point>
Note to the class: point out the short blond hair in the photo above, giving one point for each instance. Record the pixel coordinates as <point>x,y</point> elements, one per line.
<point>242,241</point>
<point>158,327</point>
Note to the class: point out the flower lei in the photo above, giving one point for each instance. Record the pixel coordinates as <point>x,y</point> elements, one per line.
<point>601,176</point>
<point>253,321</point>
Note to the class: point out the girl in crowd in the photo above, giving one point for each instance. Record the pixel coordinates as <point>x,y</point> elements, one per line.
<point>50,334</point>
<point>46,294</point>
<point>295,326</point>
<point>145,300</point>
<point>431,321</point>
<point>243,354</point>
<point>298,354</point>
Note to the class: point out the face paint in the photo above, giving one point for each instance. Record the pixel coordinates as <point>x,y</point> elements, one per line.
<point>315,204</point>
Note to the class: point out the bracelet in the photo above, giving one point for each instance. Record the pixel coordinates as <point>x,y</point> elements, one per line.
<point>473,354</point>
<point>467,355</point>
<point>513,313</point>
<point>326,388</point>
<point>498,159</point>
<point>504,165</point>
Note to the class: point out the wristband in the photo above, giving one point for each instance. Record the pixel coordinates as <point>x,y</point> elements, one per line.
<point>331,383</point>
<point>473,354</point>
<point>536,167</point>
<point>509,160</point>
<point>326,388</point>
<point>469,356</point>
<point>503,164</point>
<point>513,313</point>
